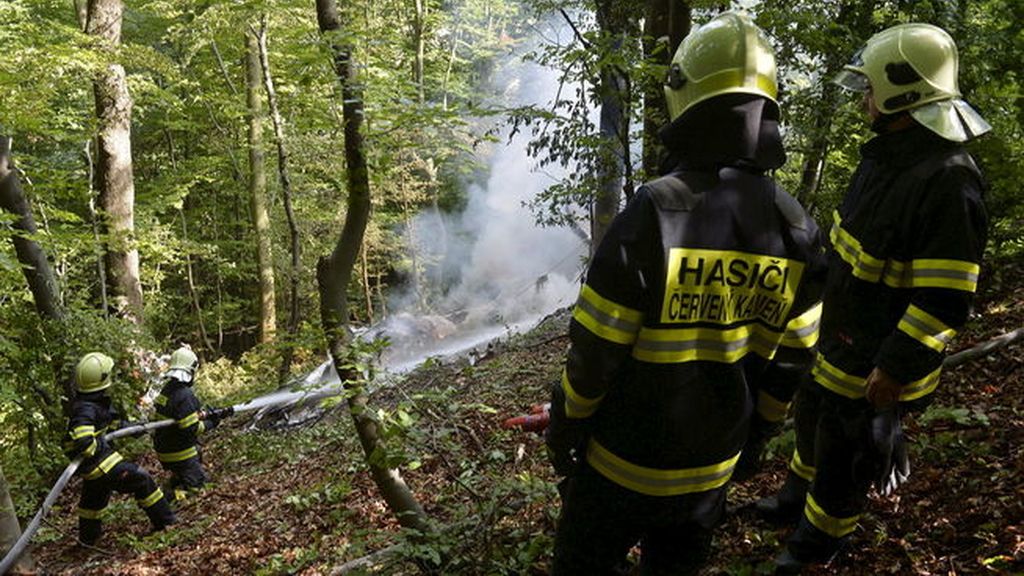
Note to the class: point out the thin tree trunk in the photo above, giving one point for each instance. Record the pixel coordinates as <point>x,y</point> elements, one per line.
<point>666,24</point>
<point>258,192</point>
<point>10,531</point>
<point>114,162</point>
<point>286,195</point>
<point>366,284</point>
<point>448,69</point>
<point>419,22</point>
<point>34,264</point>
<point>101,268</point>
<point>851,16</point>
<point>335,272</point>
<point>614,122</point>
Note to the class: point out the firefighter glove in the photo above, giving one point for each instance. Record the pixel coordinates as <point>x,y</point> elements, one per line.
<point>215,415</point>
<point>882,390</point>
<point>892,462</point>
<point>566,442</point>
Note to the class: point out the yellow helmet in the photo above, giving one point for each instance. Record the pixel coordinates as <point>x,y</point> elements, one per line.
<point>729,54</point>
<point>93,372</point>
<point>914,67</point>
<point>183,364</point>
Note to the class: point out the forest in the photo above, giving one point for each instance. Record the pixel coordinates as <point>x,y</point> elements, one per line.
<point>369,219</point>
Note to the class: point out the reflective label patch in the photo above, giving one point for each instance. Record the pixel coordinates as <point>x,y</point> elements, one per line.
<point>724,286</point>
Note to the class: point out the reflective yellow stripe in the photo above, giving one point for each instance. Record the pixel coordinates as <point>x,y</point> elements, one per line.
<point>189,420</point>
<point>802,331</point>
<point>865,266</point>
<point>577,406</point>
<point>853,387</point>
<point>836,380</point>
<point>177,456</point>
<point>104,466</point>
<point>83,432</point>
<point>933,273</point>
<point>675,345</point>
<point>605,318</point>
<point>90,514</point>
<point>831,525</point>
<point>770,408</point>
<point>922,387</point>
<point>656,481</point>
<point>152,498</point>
<point>926,329</point>
<point>91,450</point>
<point>796,464</point>
<point>917,273</point>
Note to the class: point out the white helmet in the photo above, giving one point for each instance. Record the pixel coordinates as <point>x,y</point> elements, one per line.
<point>914,67</point>
<point>183,364</point>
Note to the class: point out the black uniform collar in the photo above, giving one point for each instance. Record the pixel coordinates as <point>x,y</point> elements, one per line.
<point>904,147</point>
<point>740,130</point>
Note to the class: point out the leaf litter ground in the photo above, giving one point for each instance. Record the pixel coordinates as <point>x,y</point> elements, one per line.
<point>298,501</point>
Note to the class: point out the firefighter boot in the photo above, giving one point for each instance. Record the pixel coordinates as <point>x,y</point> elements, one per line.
<point>786,506</point>
<point>160,515</point>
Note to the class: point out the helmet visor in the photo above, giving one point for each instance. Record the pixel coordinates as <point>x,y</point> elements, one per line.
<point>180,374</point>
<point>852,80</point>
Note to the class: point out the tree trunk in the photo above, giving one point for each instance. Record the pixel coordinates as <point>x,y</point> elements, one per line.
<point>614,22</point>
<point>34,263</point>
<point>258,192</point>
<point>286,195</point>
<point>334,273</point>
<point>666,24</point>
<point>855,16</point>
<point>419,22</point>
<point>114,163</point>
<point>10,531</point>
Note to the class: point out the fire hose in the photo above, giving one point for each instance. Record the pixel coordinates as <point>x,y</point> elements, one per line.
<point>15,552</point>
<point>536,421</point>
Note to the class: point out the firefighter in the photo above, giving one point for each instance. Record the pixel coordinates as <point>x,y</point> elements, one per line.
<point>697,317</point>
<point>177,446</point>
<point>103,469</point>
<point>906,244</point>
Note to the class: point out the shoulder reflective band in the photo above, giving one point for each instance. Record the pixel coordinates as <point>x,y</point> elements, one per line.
<point>656,481</point>
<point>153,498</point>
<point>189,420</point>
<point>83,432</point>
<point>918,273</point>
<point>103,467</point>
<point>865,266</point>
<point>726,287</point>
<point>770,408</point>
<point>802,331</point>
<point>831,525</point>
<point>925,328</point>
<point>677,345</point>
<point>185,454</point>
<point>796,464</point>
<point>577,406</point>
<point>605,318</point>
<point>853,386</point>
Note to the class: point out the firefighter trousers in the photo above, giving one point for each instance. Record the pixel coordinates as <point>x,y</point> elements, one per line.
<point>185,475</point>
<point>837,432</point>
<point>601,521</point>
<point>126,478</point>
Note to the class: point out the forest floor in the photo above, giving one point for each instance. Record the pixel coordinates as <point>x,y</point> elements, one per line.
<point>299,500</point>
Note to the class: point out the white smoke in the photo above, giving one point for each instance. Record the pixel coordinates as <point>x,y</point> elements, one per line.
<point>509,271</point>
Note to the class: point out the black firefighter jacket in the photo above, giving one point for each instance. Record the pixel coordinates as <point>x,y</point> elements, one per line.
<point>91,417</point>
<point>177,443</point>
<point>906,245</point>
<point>700,306</point>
